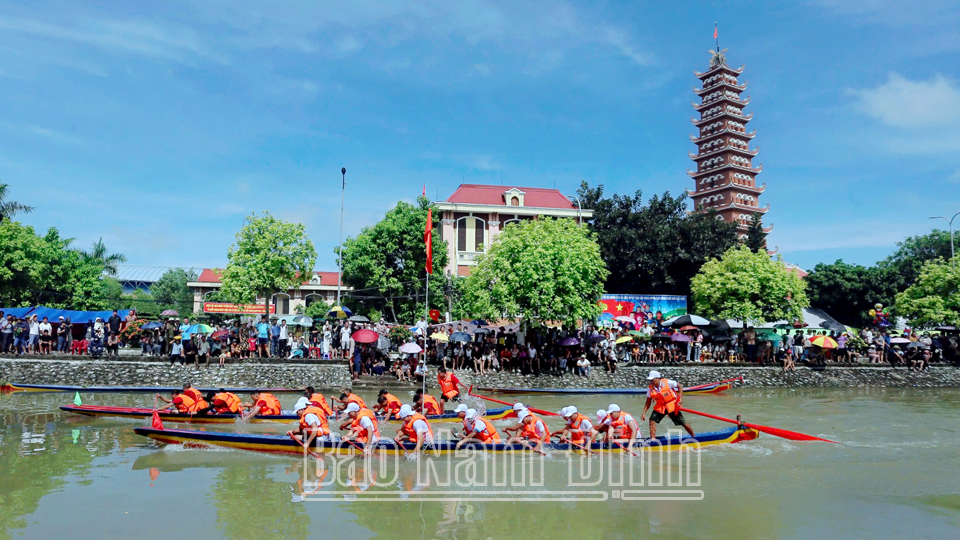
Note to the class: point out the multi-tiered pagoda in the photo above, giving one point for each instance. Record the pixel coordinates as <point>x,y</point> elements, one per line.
<point>726,178</point>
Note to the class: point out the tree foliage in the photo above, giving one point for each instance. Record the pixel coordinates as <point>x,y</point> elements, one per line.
<point>100,255</point>
<point>171,290</point>
<point>8,209</point>
<point>905,264</point>
<point>544,269</point>
<point>935,296</point>
<point>749,286</point>
<point>653,248</point>
<point>756,238</point>
<point>269,256</point>
<point>386,263</point>
<point>848,291</point>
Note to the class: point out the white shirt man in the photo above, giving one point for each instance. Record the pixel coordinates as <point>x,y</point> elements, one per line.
<point>283,330</point>
<point>45,326</point>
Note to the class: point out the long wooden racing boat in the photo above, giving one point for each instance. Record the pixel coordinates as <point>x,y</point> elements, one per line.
<point>22,387</point>
<point>712,388</point>
<point>230,418</point>
<point>281,444</point>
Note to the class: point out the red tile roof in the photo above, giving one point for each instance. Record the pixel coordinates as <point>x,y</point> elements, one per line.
<point>493,195</point>
<point>209,275</point>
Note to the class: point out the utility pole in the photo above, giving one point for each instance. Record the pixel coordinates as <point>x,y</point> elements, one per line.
<point>343,189</point>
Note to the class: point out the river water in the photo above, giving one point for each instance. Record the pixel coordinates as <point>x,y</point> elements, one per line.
<point>896,473</point>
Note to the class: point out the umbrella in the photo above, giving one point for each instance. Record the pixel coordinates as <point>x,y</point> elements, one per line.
<point>302,320</point>
<point>723,338</point>
<point>358,318</point>
<point>199,329</point>
<point>947,328</point>
<point>439,336</point>
<point>685,320</point>
<point>461,336</point>
<point>569,342</point>
<point>833,326</point>
<point>624,339</point>
<point>624,318</point>
<point>410,348</point>
<point>770,336</point>
<point>383,343</point>
<point>636,333</point>
<point>825,342</point>
<point>681,337</point>
<point>899,340</point>
<point>480,322</point>
<point>221,333</point>
<point>593,338</point>
<point>169,313</point>
<point>151,326</point>
<point>662,336</point>
<point>915,345</point>
<point>365,336</point>
<point>800,324</point>
<point>482,331</point>
<point>688,328</point>
<point>339,312</point>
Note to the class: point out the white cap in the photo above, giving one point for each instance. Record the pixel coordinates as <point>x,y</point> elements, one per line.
<point>522,414</point>
<point>653,375</point>
<point>461,408</point>
<point>405,411</point>
<point>519,406</point>
<point>471,413</point>
<point>613,408</point>
<point>568,411</point>
<point>353,407</point>
<point>302,403</point>
<point>601,414</point>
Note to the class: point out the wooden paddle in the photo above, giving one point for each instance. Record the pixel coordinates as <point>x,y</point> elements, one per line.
<point>538,411</point>
<point>304,446</point>
<point>786,434</point>
<point>698,387</point>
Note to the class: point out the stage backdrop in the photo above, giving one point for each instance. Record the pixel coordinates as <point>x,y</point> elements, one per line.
<point>641,307</point>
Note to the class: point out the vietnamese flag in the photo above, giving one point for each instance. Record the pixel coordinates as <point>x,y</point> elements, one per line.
<point>714,30</point>
<point>428,240</point>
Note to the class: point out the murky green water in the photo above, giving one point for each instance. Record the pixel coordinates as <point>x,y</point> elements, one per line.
<point>897,473</point>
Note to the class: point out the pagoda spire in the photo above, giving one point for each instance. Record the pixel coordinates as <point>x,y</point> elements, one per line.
<point>725,178</point>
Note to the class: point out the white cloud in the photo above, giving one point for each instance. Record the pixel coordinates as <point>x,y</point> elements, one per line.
<point>624,45</point>
<point>903,103</point>
<point>485,163</point>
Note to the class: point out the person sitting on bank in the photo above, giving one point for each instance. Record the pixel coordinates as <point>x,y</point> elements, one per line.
<point>667,396</point>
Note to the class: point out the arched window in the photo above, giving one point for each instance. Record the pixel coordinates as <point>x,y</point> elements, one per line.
<point>514,201</point>
<point>471,233</point>
<point>282,303</point>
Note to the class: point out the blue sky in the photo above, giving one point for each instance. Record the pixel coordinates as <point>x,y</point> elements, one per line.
<point>160,127</point>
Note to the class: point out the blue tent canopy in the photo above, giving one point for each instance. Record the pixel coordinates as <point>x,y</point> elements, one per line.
<point>18,312</point>
<point>76,317</point>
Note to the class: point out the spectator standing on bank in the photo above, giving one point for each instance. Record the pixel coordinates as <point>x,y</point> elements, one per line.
<point>203,352</point>
<point>34,336</point>
<point>114,323</point>
<point>275,339</point>
<point>263,337</point>
<point>6,332</point>
<point>284,339</point>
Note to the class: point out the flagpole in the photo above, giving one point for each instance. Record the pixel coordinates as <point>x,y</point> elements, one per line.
<point>716,35</point>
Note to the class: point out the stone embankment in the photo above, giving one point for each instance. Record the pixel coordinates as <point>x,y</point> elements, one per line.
<point>128,371</point>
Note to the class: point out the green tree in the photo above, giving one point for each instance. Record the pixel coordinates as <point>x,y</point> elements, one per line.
<point>756,238</point>
<point>657,247</point>
<point>112,293</point>
<point>269,255</point>
<point>101,255</point>
<point>848,291</point>
<point>8,209</point>
<point>24,264</point>
<point>144,304</point>
<point>386,263</point>
<point>544,269</point>
<point>934,298</point>
<point>171,290</point>
<point>905,263</point>
<point>317,311</point>
<point>749,286</point>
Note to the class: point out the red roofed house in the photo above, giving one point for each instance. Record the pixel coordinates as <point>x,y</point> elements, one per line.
<point>322,286</point>
<point>475,214</point>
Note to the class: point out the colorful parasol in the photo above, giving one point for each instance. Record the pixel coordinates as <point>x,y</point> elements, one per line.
<point>339,312</point>
<point>824,342</point>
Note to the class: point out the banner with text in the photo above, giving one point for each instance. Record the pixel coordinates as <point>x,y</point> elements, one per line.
<point>236,309</point>
<point>642,307</point>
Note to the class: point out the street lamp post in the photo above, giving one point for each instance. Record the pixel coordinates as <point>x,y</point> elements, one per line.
<point>950,224</point>
<point>579,210</point>
<point>343,189</point>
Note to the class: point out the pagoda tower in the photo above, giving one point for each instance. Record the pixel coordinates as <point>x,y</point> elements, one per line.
<point>726,178</point>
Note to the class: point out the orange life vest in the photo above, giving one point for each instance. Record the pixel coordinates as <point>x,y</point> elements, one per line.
<point>193,393</point>
<point>319,401</point>
<point>365,436</point>
<point>408,429</point>
<point>447,388</point>
<point>269,404</point>
<point>393,404</point>
<point>665,399</point>
<point>489,434</point>
<point>189,405</point>
<point>430,405</point>
<point>621,427</point>
<point>353,398</point>
<point>576,435</point>
<point>324,426</point>
<point>231,403</point>
<point>530,430</point>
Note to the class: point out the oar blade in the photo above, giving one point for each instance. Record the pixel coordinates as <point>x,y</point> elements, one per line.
<point>786,434</point>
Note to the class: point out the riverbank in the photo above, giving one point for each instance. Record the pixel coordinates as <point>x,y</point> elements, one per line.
<point>129,372</point>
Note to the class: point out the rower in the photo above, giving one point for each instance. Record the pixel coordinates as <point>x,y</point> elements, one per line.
<point>363,426</point>
<point>602,425</point>
<point>478,429</point>
<point>226,402</point>
<point>517,407</point>
<point>318,400</point>
<point>667,396</point>
<point>426,404</point>
<point>579,430</point>
<point>388,405</point>
<point>189,390</point>
<point>347,397</point>
<point>449,386</point>
<point>313,423</point>
<point>263,404</point>
<point>183,403</point>
<point>532,430</point>
<point>461,412</point>
<point>621,426</point>
<point>415,429</point>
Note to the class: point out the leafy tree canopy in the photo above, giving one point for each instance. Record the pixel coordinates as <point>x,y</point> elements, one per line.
<point>905,263</point>
<point>544,269</point>
<point>848,291</point>
<point>386,263</point>
<point>8,209</point>
<point>756,239</point>
<point>749,286</point>
<point>171,290</point>
<point>270,255</point>
<point>653,248</point>
<point>935,297</point>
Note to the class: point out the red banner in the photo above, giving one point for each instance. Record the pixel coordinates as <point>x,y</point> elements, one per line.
<point>237,309</point>
<point>616,308</point>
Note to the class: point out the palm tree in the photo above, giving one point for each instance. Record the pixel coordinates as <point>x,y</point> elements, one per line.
<point>8,209</point>
<point>108,260</point>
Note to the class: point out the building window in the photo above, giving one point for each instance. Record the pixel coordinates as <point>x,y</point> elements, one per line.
<point>514,201</point>
<point>282,303</point>
<point>471,233</point>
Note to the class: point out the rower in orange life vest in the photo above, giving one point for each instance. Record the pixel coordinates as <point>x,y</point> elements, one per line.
<point>532,430</point>
<point>263,404</point>
<point>183,403</point>
<point>479,429</point>
<point>415,429</point>
<point>449,386</point>
<point>667,396</point>
<point>348,397</point>
<point>579,429</point>
<point>222,402</point>
<point>318,400</point>
<point>426,404</point>
<point>313,423</point>
<point>191,391</point>
<point>517,407</point>
<point>363,427</point>
<point>388,405</point>
<point>621,427</point>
